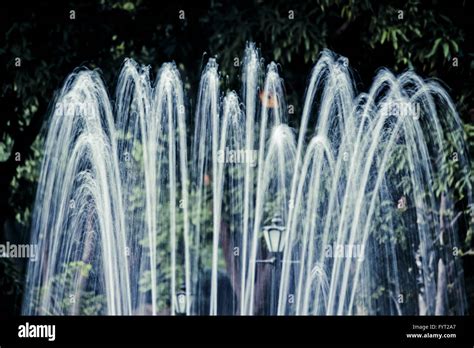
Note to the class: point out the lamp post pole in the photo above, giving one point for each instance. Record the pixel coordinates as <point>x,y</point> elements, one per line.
<point>274,287</point>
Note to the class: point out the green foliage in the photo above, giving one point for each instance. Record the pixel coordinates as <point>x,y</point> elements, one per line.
<point>65,282</point>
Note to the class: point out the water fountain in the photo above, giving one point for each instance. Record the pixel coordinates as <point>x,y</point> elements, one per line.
<point>133,206</point>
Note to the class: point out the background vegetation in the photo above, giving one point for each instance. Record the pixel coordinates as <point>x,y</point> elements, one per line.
<point>431,37</point>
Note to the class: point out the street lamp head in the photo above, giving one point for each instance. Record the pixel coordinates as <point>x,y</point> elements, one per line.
<point>181,301</point>
<point>274,235</point>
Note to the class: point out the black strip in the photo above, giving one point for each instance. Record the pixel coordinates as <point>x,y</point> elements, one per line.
<point>290,331</point>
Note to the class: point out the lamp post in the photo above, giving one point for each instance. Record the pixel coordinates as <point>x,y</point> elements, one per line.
<point>273,235</point>
<point>274,238</point>
<point>180,299</point>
